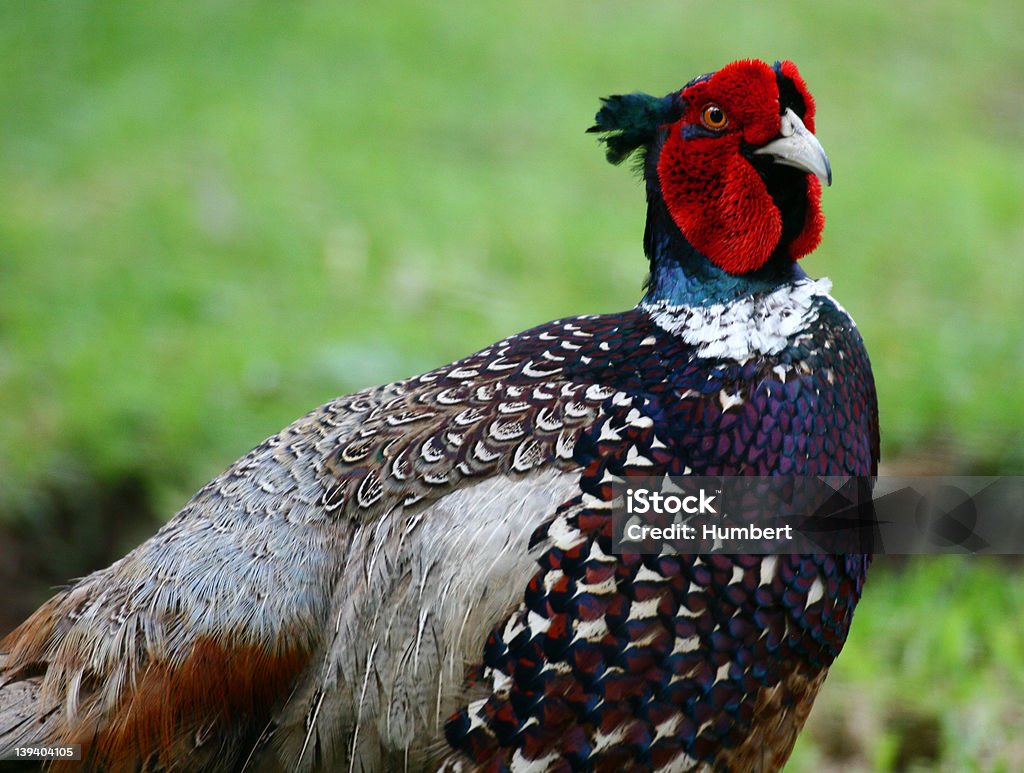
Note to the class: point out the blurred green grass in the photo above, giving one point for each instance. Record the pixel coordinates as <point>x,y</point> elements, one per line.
<point>216,216</point>
<point>932,676</point>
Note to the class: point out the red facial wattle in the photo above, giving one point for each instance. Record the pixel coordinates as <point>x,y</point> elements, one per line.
<point>710,186</point>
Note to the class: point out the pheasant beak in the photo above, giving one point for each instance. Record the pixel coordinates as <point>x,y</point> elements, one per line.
<point>798,148</point>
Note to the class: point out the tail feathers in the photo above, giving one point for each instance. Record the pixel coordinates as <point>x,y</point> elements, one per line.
<point>200,710</point>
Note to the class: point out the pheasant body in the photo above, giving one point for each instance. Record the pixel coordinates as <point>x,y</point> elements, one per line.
<point>621,643</point>
<point>420,575</point>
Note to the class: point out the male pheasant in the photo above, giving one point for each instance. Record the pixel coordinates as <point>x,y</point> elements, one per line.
<point>420,576</point>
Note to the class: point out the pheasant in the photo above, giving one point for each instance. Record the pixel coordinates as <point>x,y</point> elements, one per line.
<point>420,575</point>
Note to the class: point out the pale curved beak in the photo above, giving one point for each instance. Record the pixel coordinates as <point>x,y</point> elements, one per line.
<point>798,148</point>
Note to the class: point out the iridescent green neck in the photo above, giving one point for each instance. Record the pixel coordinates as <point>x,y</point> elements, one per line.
<point>682,276</point>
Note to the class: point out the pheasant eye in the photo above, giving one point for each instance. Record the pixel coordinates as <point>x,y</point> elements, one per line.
<point>713,117</point>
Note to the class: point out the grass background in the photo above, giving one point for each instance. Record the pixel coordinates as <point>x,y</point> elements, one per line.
<point>216,216</point>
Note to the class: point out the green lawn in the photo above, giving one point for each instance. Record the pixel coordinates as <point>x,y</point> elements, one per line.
<point>932,676</point>
<point>216,217</point>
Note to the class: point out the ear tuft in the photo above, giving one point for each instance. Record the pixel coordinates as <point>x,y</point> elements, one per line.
<point>631,121</point>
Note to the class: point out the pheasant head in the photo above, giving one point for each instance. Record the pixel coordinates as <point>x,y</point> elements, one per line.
<point>732,166</point>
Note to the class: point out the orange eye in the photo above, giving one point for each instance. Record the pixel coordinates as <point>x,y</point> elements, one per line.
<point>713,117</point>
